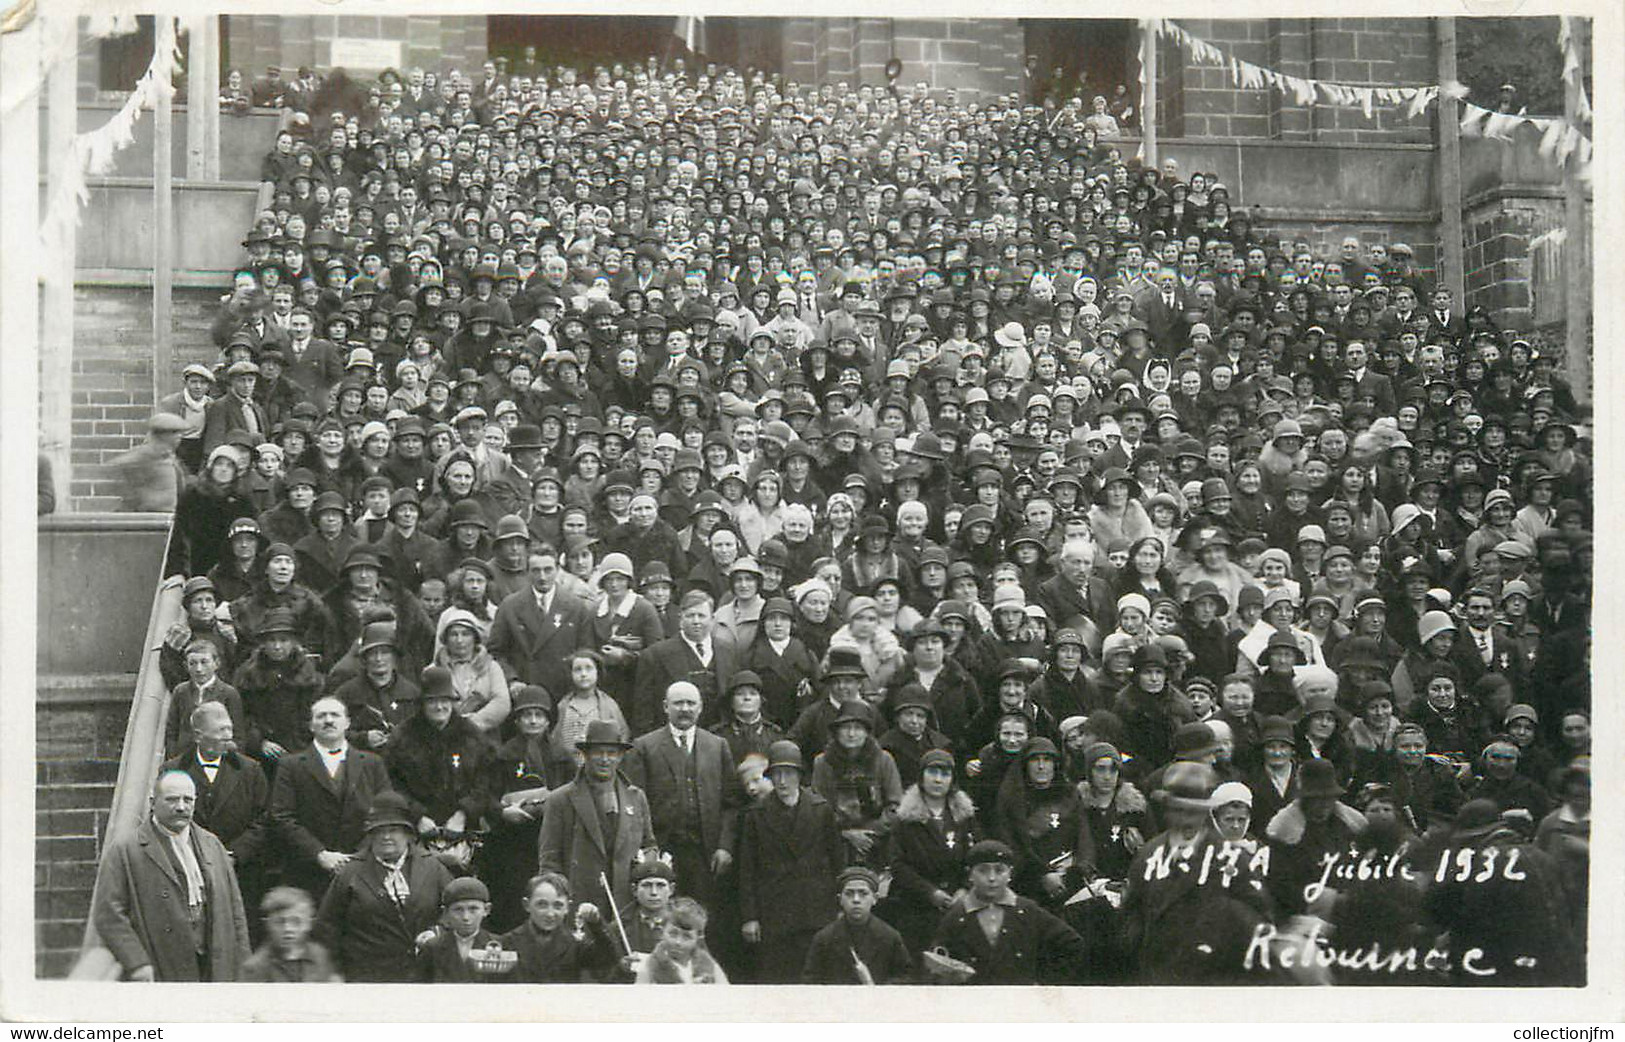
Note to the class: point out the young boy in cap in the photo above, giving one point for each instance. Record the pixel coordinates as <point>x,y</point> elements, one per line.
<point>857,948</point>
<point>288,955</point>
<point>1006,938</point>
<point>459,950</point>
<point>644,924</point>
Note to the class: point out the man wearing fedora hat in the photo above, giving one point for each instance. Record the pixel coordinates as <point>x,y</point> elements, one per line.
<point>597,824</point>
<point>1183,925</point>
<point>1316,823</point>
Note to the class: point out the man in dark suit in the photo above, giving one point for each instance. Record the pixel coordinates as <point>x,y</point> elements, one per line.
<point>688,775</point>
<point>1444,325</point>
<point>314,365</point>
<point>1482,647</point>
<point>692,655</point>
<point>1367,381</point>
<point>321,795</point>
<point>536,628</point>
<point>1162,309</point>
<point>232,794</point>
<point>1075,590</point>
<point>236,410</point>
<point>597,825</point>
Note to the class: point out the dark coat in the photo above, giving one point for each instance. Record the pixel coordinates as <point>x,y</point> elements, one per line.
<point>655,765</point>
<point>184,699</point>
<point>372,936</point>
<point>141,914</point>
<point>781,676</point>
<point>669,661</point>
<point>830,960</point>
<point>1186,929</point>
<point>573,843</point>
<point>927,855</point>
<point>234,806</point>
<point>440,770</point>
<point>440,961</point>
<point>1033,946</point>
<point>227,414</point>
<point>313,812</point>
<point>788,858</point>
<point>321,561</point>
<point>535,648</point>
<point>277,699</point>
<point>557,957</point>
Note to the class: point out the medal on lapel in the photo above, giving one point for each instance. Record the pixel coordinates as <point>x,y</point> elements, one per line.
<point>951,840</point>
<point>1054,819</point>
<point>558,619</point>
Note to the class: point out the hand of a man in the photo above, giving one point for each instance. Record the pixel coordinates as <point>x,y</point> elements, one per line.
<point>861,839</point>
<point>271,750</point>
<point>720,860</point>
<point>514,814</point>
<point>1054,883</point>
<point>146,974</point>
<point>377,739</point>
<point>426,825</point>
<point>753,932</point>
<point>332,860</point>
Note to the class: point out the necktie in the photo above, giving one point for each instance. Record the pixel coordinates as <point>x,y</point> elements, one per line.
<point>1483,645</point>
<point>682,743</point>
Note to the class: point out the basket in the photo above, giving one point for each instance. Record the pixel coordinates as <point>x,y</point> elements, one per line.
<point>946,967</point>
<point>493,958</point>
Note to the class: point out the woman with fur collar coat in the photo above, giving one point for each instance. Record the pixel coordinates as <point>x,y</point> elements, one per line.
<point>935,826</point>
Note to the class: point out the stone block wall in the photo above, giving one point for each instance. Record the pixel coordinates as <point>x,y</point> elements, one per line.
<point>113,379</point>
<point>436,42</point>
<point>1204,100</point>
<point>974,58</point>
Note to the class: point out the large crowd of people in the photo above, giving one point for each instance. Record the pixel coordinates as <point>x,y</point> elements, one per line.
<point>692,527</point>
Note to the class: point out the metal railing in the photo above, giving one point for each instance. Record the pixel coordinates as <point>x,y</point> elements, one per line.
<point>142,755</point>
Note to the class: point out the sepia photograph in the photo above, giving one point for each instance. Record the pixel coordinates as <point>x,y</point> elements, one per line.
<point>877,502</point>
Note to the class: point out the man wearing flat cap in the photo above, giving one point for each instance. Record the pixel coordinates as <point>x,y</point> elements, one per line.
<point>236,410</point>
<point>153,474</point>
<point>597,825</point>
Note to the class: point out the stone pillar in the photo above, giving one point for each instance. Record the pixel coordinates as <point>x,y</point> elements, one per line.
<point>1288,50</point>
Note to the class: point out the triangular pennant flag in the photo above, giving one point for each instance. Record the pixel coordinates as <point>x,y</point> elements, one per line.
<point>1500,126</point>
<point>1548,140</point>
<point>1364,94</point>
<point>1472,117</point>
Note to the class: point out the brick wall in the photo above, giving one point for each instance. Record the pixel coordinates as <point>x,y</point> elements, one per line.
<point>976,58</point>
<point>438,43</point>
<point>79,725</point>
<point>113,380</point>
<point>1204,100</point>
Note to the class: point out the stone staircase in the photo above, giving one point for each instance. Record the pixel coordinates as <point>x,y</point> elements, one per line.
<point>80,723</point>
